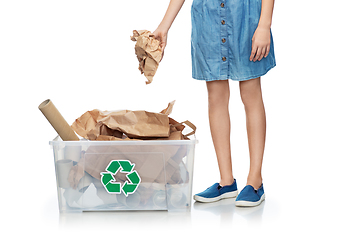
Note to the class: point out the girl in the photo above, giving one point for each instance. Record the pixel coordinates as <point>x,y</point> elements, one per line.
<point>230,39</point>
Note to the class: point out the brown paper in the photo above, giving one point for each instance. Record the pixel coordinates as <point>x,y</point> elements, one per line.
<point>124,125</point>
<point>135,124</point>
<point>149,164</point>
<point>130,125</point>
<point>57,121</point>
<point>148,52</point>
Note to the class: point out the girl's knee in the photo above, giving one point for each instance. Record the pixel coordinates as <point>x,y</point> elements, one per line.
<point>250,91</point>
<point>218,92</point>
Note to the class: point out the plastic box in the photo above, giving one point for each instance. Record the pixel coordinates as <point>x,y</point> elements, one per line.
<point>124,175</point>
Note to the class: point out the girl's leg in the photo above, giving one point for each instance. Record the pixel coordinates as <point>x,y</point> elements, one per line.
<point>251,96</point>
<point>218,97</point>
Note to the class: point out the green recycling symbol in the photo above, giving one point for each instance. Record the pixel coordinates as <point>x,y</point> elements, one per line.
<point>125,166</point>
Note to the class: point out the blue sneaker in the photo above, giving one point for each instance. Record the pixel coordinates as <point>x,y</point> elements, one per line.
<point>249,197</point>
<point>216,193</point>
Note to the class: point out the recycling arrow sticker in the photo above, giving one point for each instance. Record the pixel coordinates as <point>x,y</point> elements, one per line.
<point>124,166</point>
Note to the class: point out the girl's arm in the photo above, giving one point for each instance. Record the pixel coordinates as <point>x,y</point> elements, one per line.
<point>261,37</point>
<point>161,32</point>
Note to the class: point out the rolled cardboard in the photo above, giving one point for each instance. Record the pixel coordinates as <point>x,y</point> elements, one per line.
<point>62,170</point>
<point>177,198</point>
<point>159,199</point>
<point>57,121</point>
<point>132,201</point>
<point>73,153</point>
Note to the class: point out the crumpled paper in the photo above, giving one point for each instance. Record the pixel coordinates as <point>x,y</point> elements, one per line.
<point>124,125</point>
<point>130,125</point>
<point>148,52</point>
<point>152,162</point>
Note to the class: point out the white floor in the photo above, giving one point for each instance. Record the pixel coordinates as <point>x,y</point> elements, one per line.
<point>284,216</point>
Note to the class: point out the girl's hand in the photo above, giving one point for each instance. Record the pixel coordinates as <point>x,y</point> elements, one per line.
<point>161,35</point>
<point>260,44</point>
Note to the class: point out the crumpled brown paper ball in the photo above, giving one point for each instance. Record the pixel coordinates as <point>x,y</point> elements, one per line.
<point>148,52</point>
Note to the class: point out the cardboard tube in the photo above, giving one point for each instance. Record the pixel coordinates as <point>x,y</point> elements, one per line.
<point>159,199</point>
<point>132,201</point>
<point>57,121</point>
<point>62,169</point>
<point>73,153</point>
<point>177,198</point>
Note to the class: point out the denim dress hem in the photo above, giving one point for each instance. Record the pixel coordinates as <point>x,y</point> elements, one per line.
<point>234,79</point>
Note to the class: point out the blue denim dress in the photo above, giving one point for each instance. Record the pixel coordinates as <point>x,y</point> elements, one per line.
<point>221,40</point>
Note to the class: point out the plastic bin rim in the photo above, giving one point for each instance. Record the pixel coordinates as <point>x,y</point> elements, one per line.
<point>57,142</point>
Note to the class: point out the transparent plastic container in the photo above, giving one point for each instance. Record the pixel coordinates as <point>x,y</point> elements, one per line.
<point>124,175</point>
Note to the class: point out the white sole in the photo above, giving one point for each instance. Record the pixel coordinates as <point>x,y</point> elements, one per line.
<point>248,203</point>
<point>215,199</point>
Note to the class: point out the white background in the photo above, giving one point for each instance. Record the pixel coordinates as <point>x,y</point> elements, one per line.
<point>79,54</point>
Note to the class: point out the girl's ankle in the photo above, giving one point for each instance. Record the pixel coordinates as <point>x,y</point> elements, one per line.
<point>254,181</point>
<point>226,182</point>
